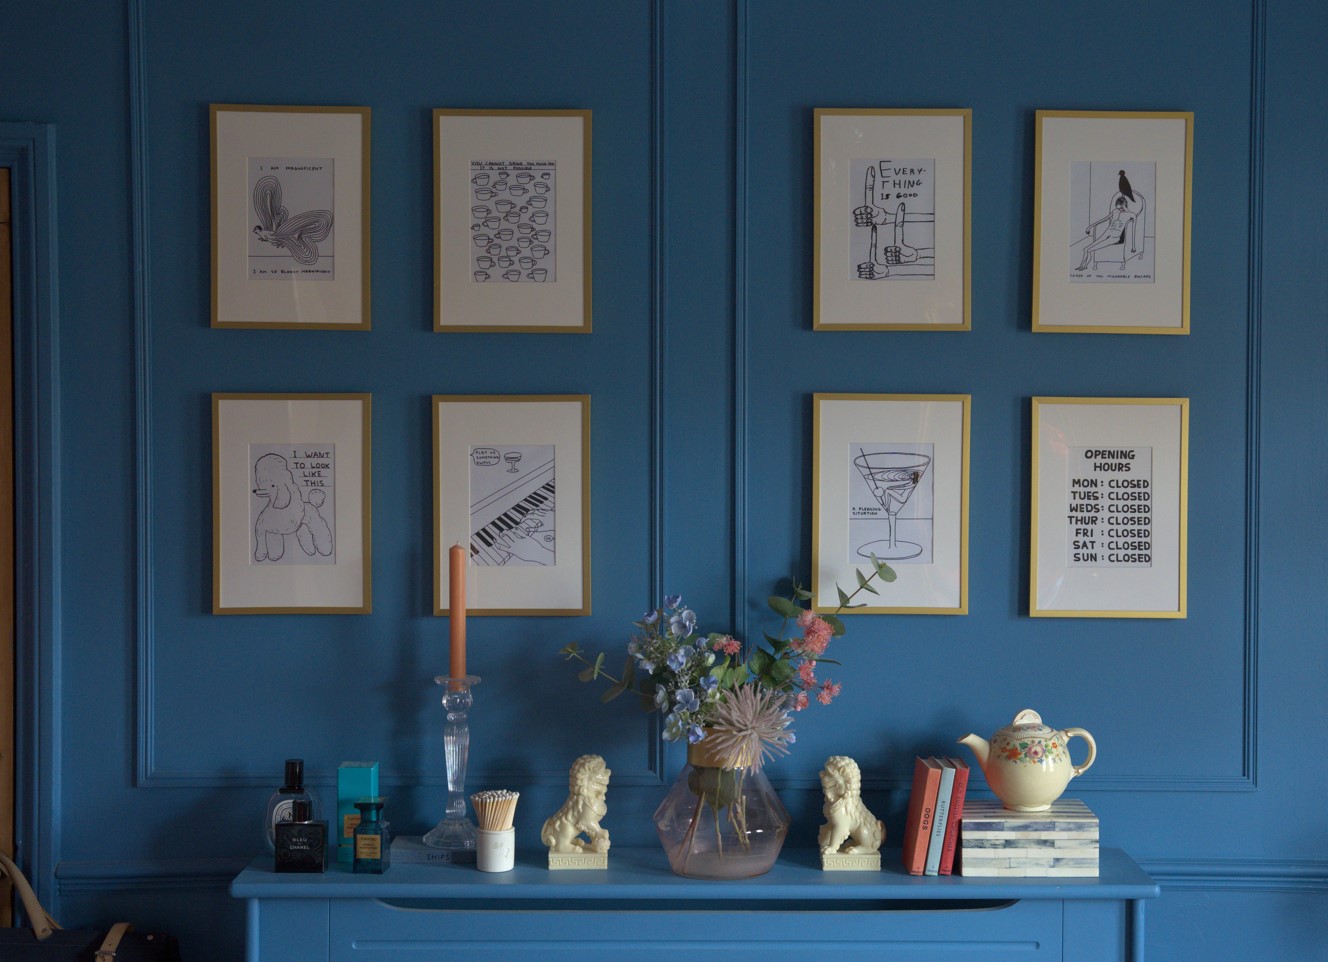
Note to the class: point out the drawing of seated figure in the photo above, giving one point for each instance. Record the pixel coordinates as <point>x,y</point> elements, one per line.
<point>1122,227</point>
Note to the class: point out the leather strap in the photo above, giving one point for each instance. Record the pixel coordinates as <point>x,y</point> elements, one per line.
<point>112,942</point>
<point>40,920</point>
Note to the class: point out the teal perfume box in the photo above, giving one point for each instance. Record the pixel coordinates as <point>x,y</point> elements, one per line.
<point>354,780</point>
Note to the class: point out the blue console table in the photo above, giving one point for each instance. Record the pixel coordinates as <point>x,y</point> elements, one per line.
<point>639,910</point>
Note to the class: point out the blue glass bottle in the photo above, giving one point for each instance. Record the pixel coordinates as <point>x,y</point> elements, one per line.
<point>372,845</point>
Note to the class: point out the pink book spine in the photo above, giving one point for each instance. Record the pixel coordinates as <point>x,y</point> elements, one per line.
<point>956,813</point>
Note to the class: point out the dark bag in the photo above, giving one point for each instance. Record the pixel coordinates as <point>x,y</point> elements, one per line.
<point>45,941</point>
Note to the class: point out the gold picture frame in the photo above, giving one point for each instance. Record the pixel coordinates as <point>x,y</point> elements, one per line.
<point>512,221</point>
<point>291,498</point>
<point>290,217</point>
<point>1110,491</point>
<point>892,219</point>
<point>511,483</point>
<point>877,452</point>
<point>1111,222</point>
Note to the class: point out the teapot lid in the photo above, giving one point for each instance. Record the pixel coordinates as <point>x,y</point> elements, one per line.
<point>1028,724</point>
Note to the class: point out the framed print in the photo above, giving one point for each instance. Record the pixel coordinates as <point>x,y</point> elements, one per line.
<point>512,485</point>
<point>890,479</point>
<point>1109,506</point>
<point>290,504</point>
<point>512,220</point>
<point>1111,222</point>
<point>290,217</point>
<point>892,220</point>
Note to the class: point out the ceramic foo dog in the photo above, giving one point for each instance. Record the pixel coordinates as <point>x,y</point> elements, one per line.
<point>852,836</point>
<point>588,783</point>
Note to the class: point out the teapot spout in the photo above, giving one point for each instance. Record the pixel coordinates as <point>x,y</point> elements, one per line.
<point>980,747</point>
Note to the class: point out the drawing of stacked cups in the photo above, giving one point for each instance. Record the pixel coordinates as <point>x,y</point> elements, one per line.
<point>512,221</point>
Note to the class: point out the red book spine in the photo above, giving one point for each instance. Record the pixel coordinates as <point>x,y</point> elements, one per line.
<point>921,811</point>
<point>956,813</point>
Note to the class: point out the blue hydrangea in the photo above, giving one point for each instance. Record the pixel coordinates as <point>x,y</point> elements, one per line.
<point>672,601</point>
<point>677,660</point>
<point>686,701</point>
<point>709,683</point>
<point>673,728</point>
<point>694,734</point>
<point>650,617</point>
<point>661,698</point>
<point>683,623</point>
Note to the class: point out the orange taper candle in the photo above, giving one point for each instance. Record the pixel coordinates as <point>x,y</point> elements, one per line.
<point>457,609</point>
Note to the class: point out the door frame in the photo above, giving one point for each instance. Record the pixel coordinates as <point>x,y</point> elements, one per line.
<point>28,150</point>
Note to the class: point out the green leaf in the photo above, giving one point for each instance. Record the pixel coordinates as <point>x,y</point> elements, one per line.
<point>886,573</point>
<point>834,623</point>
<point>803,594</point>
<point>863,583</point>
<point>782,606</point>
<point>780,672</point>
<point>760,661</point>
<point>599,664</point>
<point>612,693</point>
<point>586,674</point>
<point>629,673</point>
<point>843,598</point>
<point>569,649</point>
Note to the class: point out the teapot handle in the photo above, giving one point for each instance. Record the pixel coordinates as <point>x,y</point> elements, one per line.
<point>1092,749</point>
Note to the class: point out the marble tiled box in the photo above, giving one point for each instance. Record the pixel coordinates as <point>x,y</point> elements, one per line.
<point>996,842</point>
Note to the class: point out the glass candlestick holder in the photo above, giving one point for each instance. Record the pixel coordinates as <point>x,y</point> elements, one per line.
<point>456,832</point>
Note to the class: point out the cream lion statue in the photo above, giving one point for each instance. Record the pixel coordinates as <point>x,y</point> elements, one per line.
<point>588,783</point>
<point>850,829</point>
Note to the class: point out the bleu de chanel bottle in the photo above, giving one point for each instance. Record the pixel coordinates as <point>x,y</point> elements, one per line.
<point>372,845</point>
<point>301,842</point>
<point>279,806</point>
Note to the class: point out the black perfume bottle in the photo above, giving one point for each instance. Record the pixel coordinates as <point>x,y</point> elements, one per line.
<point>301,842</point>
<point>279,806</point>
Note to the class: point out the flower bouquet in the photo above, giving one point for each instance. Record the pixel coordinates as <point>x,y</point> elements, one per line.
<point>734,707</point>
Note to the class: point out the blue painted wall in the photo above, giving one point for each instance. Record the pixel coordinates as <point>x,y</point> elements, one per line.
<point>167,725</point>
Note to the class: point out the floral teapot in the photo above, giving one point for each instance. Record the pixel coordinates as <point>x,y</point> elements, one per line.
<point>1027,763</point>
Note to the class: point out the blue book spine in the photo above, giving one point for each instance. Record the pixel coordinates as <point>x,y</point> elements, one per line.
<point>937,842</point>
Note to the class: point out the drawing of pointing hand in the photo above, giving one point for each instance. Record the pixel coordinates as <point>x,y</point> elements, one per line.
<point>899,252</point>
<point>520,545</point>
<point>865,216</point>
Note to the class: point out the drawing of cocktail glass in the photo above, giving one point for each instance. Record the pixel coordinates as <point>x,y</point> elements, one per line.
<point>512,457</point>
<point>892,477</point>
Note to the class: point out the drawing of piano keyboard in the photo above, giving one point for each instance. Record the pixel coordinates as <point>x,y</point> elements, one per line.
<point>486,542</point>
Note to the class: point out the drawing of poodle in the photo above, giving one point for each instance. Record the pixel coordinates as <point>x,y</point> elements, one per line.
<point>286,512</point>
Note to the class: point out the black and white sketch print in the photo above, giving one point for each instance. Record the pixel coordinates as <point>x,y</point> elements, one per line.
<point>1113,207</point>
<point>1110,502</point>
<point>293,504</point>
<point>291,212</point>
<point>513,229</point>
<point>512,510</point>
<point>893,219</point>
<point>891,504</point>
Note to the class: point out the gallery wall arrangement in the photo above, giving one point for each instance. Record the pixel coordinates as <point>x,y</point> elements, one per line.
<point>859,304</point>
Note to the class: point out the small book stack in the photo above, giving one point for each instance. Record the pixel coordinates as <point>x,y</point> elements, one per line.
<point>935,809</point>
<point>1061,842</point>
